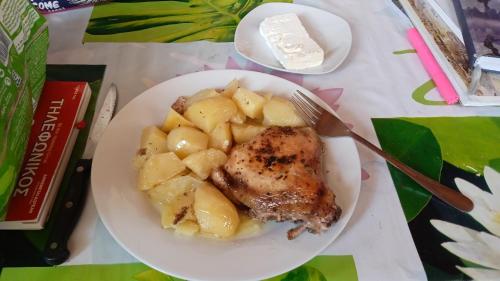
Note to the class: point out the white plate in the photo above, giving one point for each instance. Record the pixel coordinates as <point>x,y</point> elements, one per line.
<point>135,224</point>
<point>331,32</point>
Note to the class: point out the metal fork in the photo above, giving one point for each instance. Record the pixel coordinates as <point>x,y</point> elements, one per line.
<point>327,124</point>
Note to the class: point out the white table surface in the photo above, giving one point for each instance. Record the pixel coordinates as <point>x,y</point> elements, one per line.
<point>375,83</point>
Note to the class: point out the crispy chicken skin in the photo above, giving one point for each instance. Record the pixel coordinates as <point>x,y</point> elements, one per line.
<point>180,105</point>
<point>278,176</point>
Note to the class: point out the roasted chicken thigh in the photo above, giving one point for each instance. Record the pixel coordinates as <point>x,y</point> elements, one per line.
<point>278,176</point>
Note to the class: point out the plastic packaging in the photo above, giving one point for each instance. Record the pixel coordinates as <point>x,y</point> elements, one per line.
<point>23,55</point>
<point>50,6</point>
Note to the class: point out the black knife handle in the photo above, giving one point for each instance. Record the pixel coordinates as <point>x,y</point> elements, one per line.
<point>56,250</point>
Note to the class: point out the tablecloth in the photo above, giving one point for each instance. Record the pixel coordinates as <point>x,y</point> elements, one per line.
<point>378,80</point>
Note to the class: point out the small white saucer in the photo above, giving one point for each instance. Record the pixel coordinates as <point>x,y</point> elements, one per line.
<point>331,32</point>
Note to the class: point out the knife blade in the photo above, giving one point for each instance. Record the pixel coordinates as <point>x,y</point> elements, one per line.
<point>56,249</point>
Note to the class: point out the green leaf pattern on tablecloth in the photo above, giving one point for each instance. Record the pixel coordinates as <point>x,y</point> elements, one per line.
<point>404,52</point>
<point>495,164</point>
<point>320,268</point>
<point>420,93</point>
<point>416,146</point>
<point>154,275</point>
<point>168,21</point>
<point>304,273</point>
<point>458,136</point>
<point>469,143</point>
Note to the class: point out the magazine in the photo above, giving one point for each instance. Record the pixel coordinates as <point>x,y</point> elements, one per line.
<point>480,24</point>
<point>445,41</point>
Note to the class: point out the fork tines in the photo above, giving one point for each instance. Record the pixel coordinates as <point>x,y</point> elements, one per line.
<point>307,108</point>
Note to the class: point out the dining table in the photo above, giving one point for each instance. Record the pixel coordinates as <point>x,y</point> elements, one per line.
<point>380,82</point>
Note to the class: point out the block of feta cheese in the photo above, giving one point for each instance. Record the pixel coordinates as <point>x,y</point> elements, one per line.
<point>290,43</point>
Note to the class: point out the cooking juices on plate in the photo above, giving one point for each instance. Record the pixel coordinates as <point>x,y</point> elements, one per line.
<point>223,157</point>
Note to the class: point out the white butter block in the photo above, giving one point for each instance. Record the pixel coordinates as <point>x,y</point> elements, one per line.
<point>290,43</point>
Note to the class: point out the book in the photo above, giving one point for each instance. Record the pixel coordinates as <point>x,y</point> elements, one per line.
<point>444,39</point>
<point>446,47</point>
<point>53,134</point>
<point>480,24</point>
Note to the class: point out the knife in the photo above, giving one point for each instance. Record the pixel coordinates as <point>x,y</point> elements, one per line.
<point>56,249</point>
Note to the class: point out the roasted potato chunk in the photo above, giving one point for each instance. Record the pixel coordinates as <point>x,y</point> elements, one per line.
<point>186,140</point>
<point>203,162</point>
<point>216,215</point>
<point>175,120</point>
<point>201,95</point>
<point>249,102</point>
<point>158,169</point>
<point>248,227</point>
<point>220,137</point>
<point>230,88</point>
<point>245,132</point>
<point>239,118</point>
<point>153,141</point>
<point>207,113</point>
<point>179,210</point>
<point>281,112</point>
<point>187,227</point>
<point>169,190</point>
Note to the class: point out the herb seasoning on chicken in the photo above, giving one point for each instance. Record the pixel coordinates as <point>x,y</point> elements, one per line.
<point>277,175</point>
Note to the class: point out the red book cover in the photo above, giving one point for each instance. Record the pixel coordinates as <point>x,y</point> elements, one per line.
<point>53,134</point>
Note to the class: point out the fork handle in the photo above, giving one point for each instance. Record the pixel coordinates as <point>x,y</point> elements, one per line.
<point>448,195</point>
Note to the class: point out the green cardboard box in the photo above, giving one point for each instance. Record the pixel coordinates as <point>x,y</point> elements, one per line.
<point>23,55</point>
